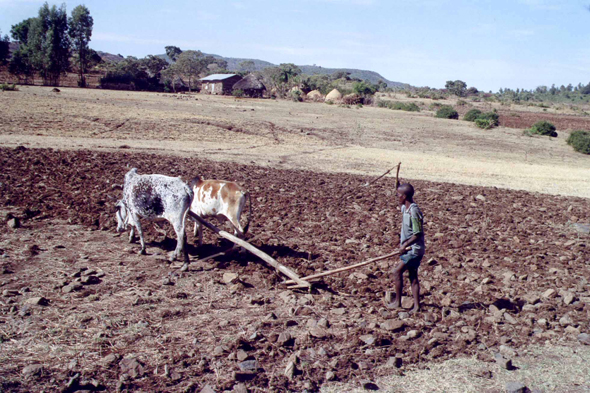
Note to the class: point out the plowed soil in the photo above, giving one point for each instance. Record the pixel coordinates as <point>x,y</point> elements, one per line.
<point>138,323</point>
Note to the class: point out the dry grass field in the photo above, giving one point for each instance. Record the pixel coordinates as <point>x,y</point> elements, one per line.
<point>507,269</point>
<point>284,134</point>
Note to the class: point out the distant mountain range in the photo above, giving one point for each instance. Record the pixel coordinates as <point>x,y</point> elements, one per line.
<point>233,64</point>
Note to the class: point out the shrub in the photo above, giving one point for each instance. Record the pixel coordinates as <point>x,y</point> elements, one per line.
<point>543,127</point>
<point>352,99</point>
<point>492,117</point>
<point>447,112</point>
<point>434,106</point>
<point>7,87</point>
<point>580,141</point>
<point>472,115</point>
<point>237,93</point>
<point>486,124</point>
<point>399,106</point>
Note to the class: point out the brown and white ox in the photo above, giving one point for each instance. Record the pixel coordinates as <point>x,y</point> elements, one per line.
<point>224,200</point>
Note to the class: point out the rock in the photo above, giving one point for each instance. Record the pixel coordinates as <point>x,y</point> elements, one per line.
<point>230,278</point>
<point>339,311</point>
<point>318,332</point>
<point>37,301</point>
<point>413,334</point>
<point>566,320</point>
<point>584,338</point>
<point>242,355</point>
<point>395,361</point>
<point>582,228</point>
<point>13,223</point>
<point>403,315</point>
<point>486,280</point>
<point>109,359</point>
<point>542,322</point>
<point>531,298</point>
<point>549,294</point>
<point>510,319</point>
<point>369,385</point>
<point>167,281</point>
<point>90,280</point>
<point>33,370</point>
<point>240,388</point>
<point>330,376</point>
<point>503,362</point>
<point>568,298</point>
<point>72,287</point>
<point>480,198</point>
<point>393,325</point>
<point>10,292</point>
<point>368,339</point>
<point>284,338</point>
<point>218,351</point>
<point>248,366</point>
<point>572,330</point>
<point>323,323</point>
<point>290,370</point>
<point>516,387</point>
<point>132,367</point>
<point>207,389</point>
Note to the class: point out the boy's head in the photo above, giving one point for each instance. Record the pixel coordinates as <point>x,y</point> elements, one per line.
<point>405,192</point>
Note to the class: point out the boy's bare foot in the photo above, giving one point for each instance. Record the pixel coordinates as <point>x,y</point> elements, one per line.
<point>393,306</point>
<point>415,310</point>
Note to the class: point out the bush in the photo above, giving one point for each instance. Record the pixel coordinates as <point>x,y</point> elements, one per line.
<point>486,124</point>
<point>237,93</point>
<point>492,117</point>
<point>399,106</point>
<point>543,127</point>
<point>580,141</point>
<point>352,99</point>
<point>7,87</point>
<point>472,115</point>
<point>447,112</point>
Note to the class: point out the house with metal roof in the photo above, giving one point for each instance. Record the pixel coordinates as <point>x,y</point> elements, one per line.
<point>219,83</point>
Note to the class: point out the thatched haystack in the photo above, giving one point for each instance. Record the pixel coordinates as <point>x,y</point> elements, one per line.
<point>334,96</point>
<point>315,96</point>
<point>251,86</point>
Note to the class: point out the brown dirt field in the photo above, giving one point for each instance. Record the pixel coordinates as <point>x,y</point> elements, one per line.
<point>136,323</point>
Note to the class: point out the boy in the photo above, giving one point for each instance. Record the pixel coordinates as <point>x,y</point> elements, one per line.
<point>411,238</point>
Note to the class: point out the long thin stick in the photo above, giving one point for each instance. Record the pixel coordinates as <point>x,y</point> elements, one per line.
<point>343,269</point>
<point>260,254</point>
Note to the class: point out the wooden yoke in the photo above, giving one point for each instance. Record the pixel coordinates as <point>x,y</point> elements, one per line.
<point>260,254</point>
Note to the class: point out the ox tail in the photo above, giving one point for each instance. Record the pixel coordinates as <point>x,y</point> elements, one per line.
<point>247,195</point>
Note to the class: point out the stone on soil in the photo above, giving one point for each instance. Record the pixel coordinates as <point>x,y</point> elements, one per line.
<point>516,387</point>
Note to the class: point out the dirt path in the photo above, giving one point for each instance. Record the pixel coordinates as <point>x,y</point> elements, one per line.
<point>285,134</point>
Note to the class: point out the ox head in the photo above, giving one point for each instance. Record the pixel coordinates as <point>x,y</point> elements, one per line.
<point>122,216</point>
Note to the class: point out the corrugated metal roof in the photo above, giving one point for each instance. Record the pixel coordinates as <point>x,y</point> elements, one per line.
<point>217,77</point>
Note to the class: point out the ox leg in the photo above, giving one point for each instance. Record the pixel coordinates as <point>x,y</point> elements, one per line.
<point>131,234</point>
<point>140,233</point>
<point>179,228</point>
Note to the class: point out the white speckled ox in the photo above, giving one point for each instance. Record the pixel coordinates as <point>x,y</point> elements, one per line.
<point>155,198</point>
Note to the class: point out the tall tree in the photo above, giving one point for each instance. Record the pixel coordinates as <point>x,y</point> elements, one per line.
<point>20,31</point>
<point>4,48</point>
<point>191,64</point>
<point>80,32</point>
<point>48,43</point>
<point>247,66</point>
<point>457,87</point>
<point>173,52</point>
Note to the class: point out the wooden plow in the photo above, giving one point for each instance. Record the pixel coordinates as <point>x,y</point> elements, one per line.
<point>294,282</point>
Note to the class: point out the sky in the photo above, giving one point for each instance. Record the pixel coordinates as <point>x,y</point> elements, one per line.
<point>489,44</point>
